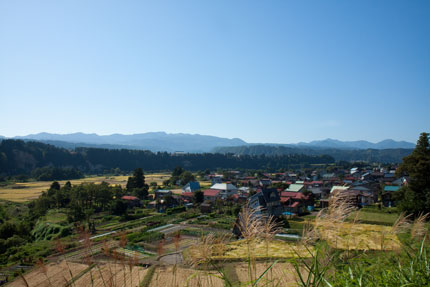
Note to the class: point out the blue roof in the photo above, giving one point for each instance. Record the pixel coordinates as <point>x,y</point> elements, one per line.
<point>194,185</point>
<point>391,188</point>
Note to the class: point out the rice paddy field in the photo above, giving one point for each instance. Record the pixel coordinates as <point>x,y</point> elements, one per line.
<point>258,249</point>
<point>180,277</point>
<point>26,191</point>
<point>357,236</point>
<point>276,249</point>
<point>281,274</point>
<point>110,274</point>
<point>52,274</point>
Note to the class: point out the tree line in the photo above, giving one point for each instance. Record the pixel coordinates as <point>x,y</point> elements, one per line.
<point>367,155</point>
<point>19,157</point>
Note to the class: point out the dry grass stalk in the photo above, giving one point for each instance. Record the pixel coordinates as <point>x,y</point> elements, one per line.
<point>24,280</point>
<point>160,247</point>
<point>340,207</point>
<point>177,240</point>
<point>250,223</point>
<point>419,229</point>
<point>402,224</point>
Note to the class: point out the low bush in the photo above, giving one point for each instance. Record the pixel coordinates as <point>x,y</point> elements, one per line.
<point>49,231</point>
<point>144,236</point>
<point>175,210</point>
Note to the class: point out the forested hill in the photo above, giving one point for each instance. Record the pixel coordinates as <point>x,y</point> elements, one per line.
<point>368,155</point>
<point>19,157</point>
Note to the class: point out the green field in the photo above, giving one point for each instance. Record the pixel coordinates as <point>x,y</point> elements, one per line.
<point>375,217</point>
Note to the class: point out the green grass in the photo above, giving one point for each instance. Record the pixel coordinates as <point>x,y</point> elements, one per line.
<point>148,277</point>
<point>375,217</point>
<point>56,216</point>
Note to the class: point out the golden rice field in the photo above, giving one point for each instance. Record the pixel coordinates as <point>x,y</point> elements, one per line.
<point>52,274</point>
<point>26,191</point>
<point>357,236</point>
<point>180,277</point>
<point>110,274</point>
<point>281,274</point>
<point>243,249</point>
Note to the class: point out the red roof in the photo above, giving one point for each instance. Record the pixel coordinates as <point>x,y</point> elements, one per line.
<point>211,192</point>
<point>187,194</point>
<point>294,204</point>
<point>129,197</point>
<point>235,196</point>
<point>317,182</point>
<point>284,199</point>
<point>296,195</point>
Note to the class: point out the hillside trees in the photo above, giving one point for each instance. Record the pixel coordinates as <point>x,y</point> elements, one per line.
<point>19,157</point>
<point>415,198</point>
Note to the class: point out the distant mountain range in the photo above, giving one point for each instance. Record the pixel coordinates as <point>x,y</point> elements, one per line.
<point>361,144</point>
<point>161,141</point>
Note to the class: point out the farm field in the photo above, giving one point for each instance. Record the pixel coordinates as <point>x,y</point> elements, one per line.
<point>26,191</point>
<point>281,274</point>
<point>58,274</point>
<point>375,217</point>
<point>178,277</point>
<point>239,250</point>
<point>111,274</point>
<point>356,236</point>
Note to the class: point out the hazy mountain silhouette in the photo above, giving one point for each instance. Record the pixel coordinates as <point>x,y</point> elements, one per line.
<point>161,141</point>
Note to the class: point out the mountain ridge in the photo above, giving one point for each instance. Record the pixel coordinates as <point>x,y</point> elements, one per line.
<point>171,142</point>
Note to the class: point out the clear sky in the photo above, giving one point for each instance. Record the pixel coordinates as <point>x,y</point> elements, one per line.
<point>264,71</point>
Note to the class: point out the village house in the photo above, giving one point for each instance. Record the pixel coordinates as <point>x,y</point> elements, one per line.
<point>226,189</point>
<point>267,202</point>
<point>265,182</point>
<point>161,193</point>
<point>296,187</point>
<point>187,197</point>
<point>192,186</point>
<point>296,202</point>
<point>387,195</point>
<point>211,194</point>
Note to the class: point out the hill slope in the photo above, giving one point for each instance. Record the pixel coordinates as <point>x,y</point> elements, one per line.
<point>154,141</point>
<point>369,155</point>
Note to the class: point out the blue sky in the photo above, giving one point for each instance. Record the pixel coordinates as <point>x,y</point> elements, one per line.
<point>263,71</point>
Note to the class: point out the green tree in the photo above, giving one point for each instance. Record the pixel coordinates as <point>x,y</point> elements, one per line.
<point>186,177</point>
<point>198,196</point>
<point>177,171</point>
<point>415,197</point>
<point>136,184</point>
<point>137,180</point>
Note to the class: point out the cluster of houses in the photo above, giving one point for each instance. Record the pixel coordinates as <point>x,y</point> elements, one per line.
<point>289,193</point>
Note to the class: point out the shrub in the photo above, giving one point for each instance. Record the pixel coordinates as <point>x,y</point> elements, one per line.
<point>174,210</point>
<point>144,236</point>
